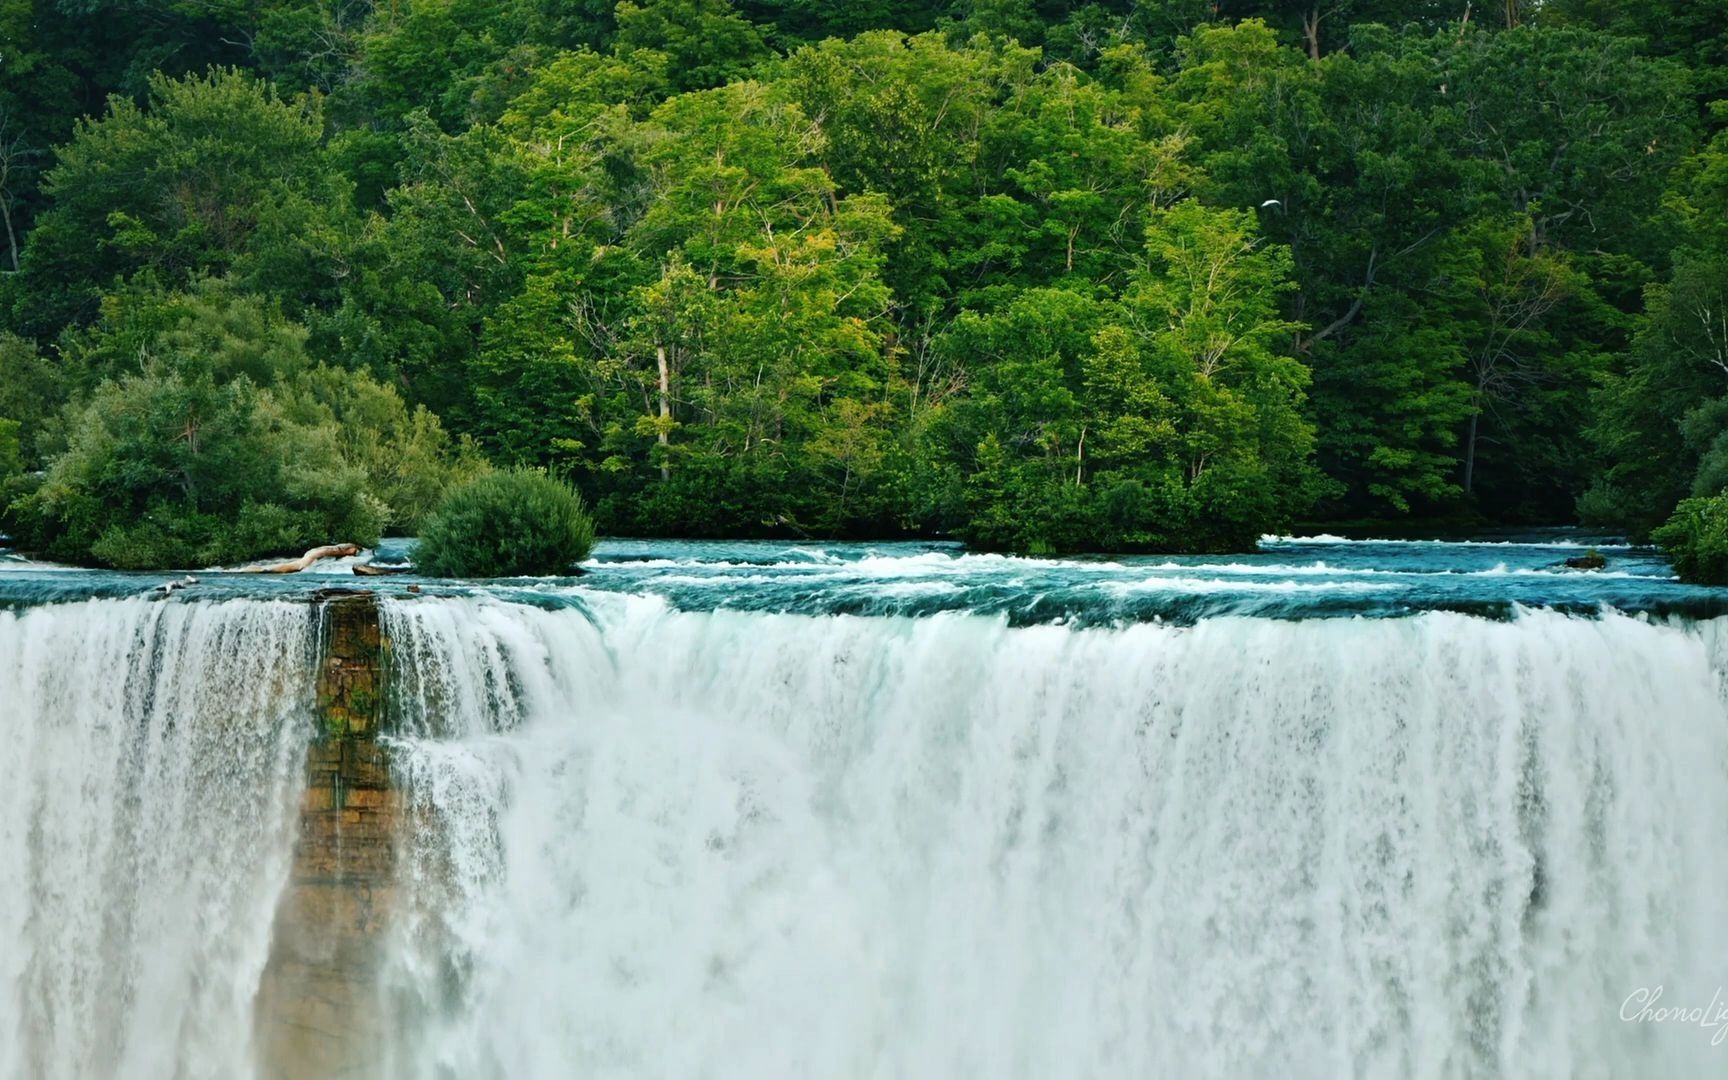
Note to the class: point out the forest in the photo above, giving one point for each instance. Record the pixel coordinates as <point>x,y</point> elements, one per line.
<point>1127,275</point>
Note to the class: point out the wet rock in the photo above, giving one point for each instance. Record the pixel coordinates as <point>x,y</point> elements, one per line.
<point>318,1010</point>
<point>1590,560</point>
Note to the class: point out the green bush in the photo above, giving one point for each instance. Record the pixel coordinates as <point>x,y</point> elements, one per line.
<point>506,524</point>
<point>164,470</point>
<point>11,450</point>
<point>208,436</point>
<point>1696,539</point>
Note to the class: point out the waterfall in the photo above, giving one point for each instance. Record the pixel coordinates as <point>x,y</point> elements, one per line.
<point>152,753</point>
<point>642,841</point>
<point>732,844</point>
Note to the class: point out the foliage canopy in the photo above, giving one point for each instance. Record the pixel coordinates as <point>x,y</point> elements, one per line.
<point>1044,276</point>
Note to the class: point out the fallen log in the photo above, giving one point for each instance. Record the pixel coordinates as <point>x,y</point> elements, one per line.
<point>328,551</point>
<point>367,569</point>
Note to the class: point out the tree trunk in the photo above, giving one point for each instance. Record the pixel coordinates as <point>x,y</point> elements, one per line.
<point>329,551</point>
<point>374,570</point>
<point>9,153</point>
<point>1470,450</point>
<point>1349,316</point>
<point>665,411</point>
<point>1311,31</point>
<point>11,237</point>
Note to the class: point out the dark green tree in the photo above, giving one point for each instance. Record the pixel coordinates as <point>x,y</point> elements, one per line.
<point>191,183</point>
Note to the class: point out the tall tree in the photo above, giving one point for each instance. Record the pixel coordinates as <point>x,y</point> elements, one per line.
<point>185,185</point>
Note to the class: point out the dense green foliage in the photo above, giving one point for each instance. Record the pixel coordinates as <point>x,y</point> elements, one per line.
<point>506,524</point>
<point>1696,538</point>
<point>210,437</point>
<point>1043,275</point>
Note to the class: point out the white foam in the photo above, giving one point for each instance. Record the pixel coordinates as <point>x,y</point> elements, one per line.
<point>871,847</point>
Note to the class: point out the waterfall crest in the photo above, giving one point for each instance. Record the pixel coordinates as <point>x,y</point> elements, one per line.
<point>153,749</point>
<point>732,844</point>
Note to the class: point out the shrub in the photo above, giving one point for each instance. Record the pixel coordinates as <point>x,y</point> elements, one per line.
<point>505,524</point>
<point>210,437</point>
<point>1696,539</point>
<point>163,470</point>
<point>11,451</point>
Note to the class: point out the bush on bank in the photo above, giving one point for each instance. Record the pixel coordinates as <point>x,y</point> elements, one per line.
<point>1696,539</point>
<point>208,436</point>
<point>506,524</point>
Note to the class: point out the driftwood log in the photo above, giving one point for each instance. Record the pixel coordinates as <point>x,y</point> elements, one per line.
<point>366,569</point>
<point>294,566</point>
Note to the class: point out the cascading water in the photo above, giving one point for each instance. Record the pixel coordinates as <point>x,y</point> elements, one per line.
<point>735,844</point>
<point>152,754</point>
<point>1007,824</point>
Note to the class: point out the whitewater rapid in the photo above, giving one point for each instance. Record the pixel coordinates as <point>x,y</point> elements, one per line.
<point>153,753</point>
<point>733,844</point>
<point>657,842</point>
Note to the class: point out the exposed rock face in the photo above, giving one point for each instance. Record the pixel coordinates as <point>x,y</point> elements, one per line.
<point>318,1010</point>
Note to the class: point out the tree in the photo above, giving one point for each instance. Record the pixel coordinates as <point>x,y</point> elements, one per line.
<point>16,175</point>
<point>707,41</point>
<point>1323,26</point>
<point>1513,287</point>
<point>219,441</point>
<point>1168,420</point>
<point>183,186</point>
<point>1696,539</point>
<point>1662,416</point>
<point>1694,32</point>
<point>32,391</point>
<point>1206,308</point>
<point>1042,273</point>
<point>1014,443</point>
<point>168,470</point>
<point>1662,422</point>
<point>1369,236</point>
<point>903,117</point>
<point>1577,131</point>
<point>814,20</point>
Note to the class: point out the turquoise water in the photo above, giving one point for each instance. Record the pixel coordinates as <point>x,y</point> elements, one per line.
<point>1306,577</point>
